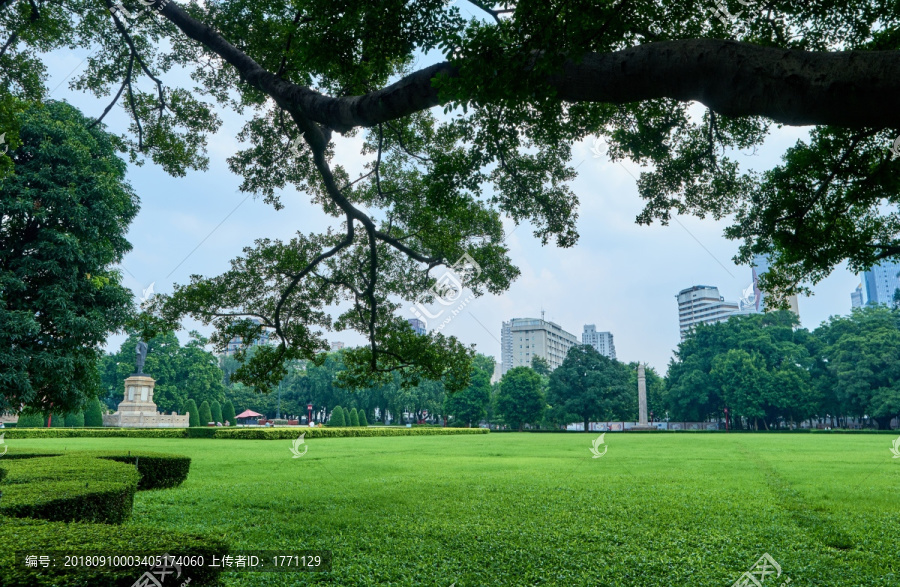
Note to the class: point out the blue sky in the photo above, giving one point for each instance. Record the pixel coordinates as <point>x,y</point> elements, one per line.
<point>620,276</point>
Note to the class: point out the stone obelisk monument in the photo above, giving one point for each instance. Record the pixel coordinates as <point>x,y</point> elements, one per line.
<point>642,401</point>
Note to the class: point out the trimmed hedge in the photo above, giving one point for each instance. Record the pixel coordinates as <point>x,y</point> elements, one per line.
<point>232,432</point>
<point>293,432</point>
<point>93,413</point>
<point>228,413</point>
<point>190,408</point>
<point>205,413</point>
<point>43,537</point>
<point>337,417</point>
<point>362,418</point>
<point>66,491</point>
<point>69,488</point>
<point>216,409</point>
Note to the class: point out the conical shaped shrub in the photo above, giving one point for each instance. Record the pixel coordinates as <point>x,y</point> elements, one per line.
<point>228,414</point>
<point>337,417</point>
<point>354,417</point>
<point>205,413</point>
<point>190,407</point>
<point>362,418</point>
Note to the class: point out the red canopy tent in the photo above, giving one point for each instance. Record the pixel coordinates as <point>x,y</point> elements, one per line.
<point>246,414</point>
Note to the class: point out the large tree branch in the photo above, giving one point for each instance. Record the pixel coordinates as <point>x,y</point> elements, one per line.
<point>848,88</point>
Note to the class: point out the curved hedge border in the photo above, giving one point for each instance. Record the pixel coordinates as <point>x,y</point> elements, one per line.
<point>245,433</point>
<point>42,491</point>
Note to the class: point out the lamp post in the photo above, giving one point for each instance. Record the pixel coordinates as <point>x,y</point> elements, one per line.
<point>309,414</point>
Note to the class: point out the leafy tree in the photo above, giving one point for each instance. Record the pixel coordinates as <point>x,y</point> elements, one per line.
<point>216,410</point>
<point>75,420</point>
<point>762,362</point>
<point>228,414</point>
<point>363,421</point>
<point>540,365</point>
<point>205,414</point>
<point>190,407</point>
<point>521,397</point>
<point>590,386</point>
<point>523,82</point>
<point>59,296</point>
<point>354,418</point>
<point>469,406</point>
<point>337,417</point>
<point>93,414</point>
<point>862,353</point>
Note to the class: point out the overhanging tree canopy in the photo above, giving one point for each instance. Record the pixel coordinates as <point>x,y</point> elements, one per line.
<point>522,81</point>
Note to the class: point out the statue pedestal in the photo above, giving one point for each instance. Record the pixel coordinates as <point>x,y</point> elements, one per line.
<point>138,410</point>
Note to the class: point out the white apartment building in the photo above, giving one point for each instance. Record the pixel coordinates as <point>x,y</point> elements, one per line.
<point>601,341</point>
<point>702,304</point>
<point>522,339</point>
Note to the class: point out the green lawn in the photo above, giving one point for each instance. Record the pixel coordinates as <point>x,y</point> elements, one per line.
<point>536,509</point>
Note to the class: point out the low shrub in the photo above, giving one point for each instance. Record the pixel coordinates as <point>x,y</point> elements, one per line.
<point>75,420</point>
<point>293,432</point>
<point>156,470</point>
<point>96,433</point>
<point>204,432</point>
<point>42,537</point>
<point>69,488</point>
<point>29,420</point>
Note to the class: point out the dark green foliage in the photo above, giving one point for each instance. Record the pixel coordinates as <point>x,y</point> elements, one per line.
<point>228,414</point>
<point>205,414</point>
<point>69,488</point>
<point>101,432</point>
<point>56,420</point>
<point>59,296</point>
<point>363,421</point>
<point>521,397</point>
<point>190,407</point>
<point>93,414</point>
<point>29,419</point>
<point>291,433</point>
<point>215,409</point>
<point>469,406</point>
<point>354,418</point>
<point>42,536</point>
<point>337,417</point>
<point>199,432</point>
<point>590,386</point>
<point>346,417</point>
<point>75,420</point>
<point>156,470</point>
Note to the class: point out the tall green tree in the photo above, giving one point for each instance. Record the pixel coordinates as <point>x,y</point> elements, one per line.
<point>216,410</point>
<point>521,397</point>
<point>469,406</point>
<point>65,212</point>
<point>205,413</point>
<point>590,386</point>
<point>228,414</point>
<point>93,414</point>
<point>190,408</point>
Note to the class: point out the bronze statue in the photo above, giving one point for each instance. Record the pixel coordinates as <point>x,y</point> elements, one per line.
<point>141,350</point>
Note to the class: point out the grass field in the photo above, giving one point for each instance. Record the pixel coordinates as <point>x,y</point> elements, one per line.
<point>536,509</point>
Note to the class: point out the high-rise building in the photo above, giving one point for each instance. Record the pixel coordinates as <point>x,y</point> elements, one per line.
<point>522,339</point>
<point>856,297</point>
<point>417,325</point>
<point>702,304</point>
<point>601,341</point>
<point>881,281</point>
